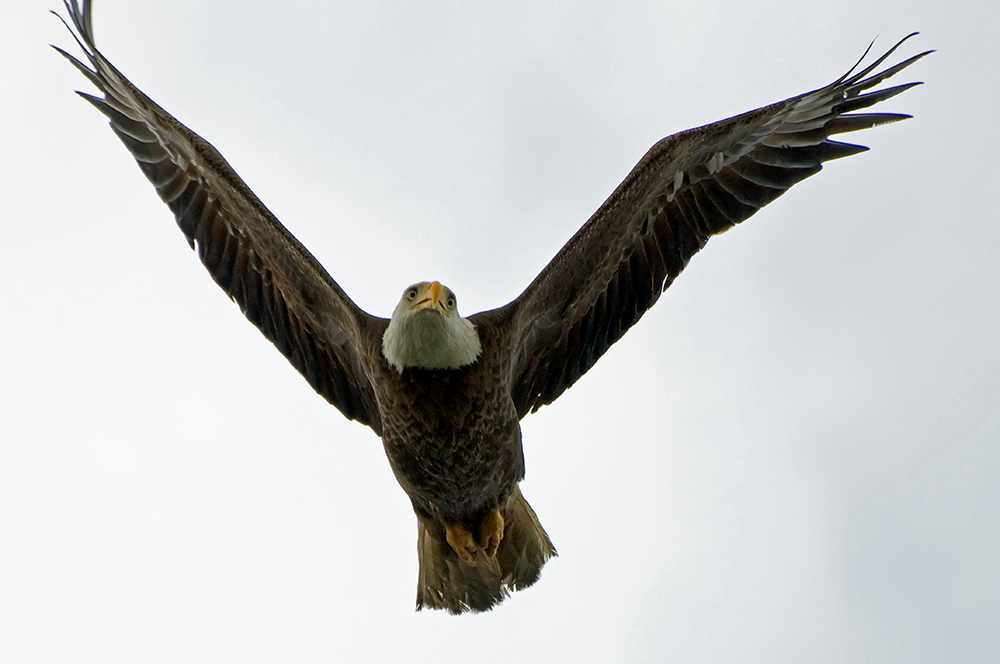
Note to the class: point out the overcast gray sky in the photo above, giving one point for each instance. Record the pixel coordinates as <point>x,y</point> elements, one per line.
<point>793,457</point>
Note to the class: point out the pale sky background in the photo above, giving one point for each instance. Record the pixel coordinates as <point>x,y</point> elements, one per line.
<point>794,457</point>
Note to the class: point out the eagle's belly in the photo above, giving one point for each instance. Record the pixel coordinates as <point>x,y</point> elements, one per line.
<point>453,442</point>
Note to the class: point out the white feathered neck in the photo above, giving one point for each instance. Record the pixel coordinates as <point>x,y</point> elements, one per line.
<point>427,332</point>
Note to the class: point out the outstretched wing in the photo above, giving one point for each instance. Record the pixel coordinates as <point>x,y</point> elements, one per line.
<point>687,188</point>
<point>277,283</point>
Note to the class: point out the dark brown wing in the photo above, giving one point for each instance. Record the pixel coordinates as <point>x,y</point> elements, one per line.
<point>276,282</point>
<point>687,188</point>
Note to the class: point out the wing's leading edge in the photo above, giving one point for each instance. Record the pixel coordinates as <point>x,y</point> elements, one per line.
<point>276,282</point>
<point>687,188</point>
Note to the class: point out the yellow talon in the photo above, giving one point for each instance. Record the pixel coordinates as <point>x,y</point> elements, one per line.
<point>465,545</point>
<point>462,542</point>
<point>491,532</point>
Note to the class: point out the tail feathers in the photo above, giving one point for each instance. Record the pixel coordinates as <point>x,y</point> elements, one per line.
<point>445,582</point>
<point>525,546</point>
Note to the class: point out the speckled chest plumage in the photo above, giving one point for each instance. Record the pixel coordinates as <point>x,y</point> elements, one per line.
<point>452,438</point>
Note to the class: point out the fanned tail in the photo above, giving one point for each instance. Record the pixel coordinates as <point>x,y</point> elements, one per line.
<point>445,582</point>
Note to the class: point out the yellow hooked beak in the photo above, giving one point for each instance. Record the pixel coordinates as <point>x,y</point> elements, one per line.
<point>430,298</point>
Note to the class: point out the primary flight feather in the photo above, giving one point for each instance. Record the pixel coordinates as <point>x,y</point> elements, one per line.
<point>446,393</point>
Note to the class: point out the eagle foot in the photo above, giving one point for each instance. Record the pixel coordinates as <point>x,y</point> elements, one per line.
<point>462,542</point>
<point>491,532</point>
<point>465,544</point>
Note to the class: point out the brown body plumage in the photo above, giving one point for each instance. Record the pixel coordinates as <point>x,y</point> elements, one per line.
<point>448,416</point>
<point>454,444</point>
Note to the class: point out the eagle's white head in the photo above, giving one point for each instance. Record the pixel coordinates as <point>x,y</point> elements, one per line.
<point>426,331</point>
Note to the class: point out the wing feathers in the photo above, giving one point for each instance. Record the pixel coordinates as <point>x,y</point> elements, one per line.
<point>277,284</point>
<point>687,188</point>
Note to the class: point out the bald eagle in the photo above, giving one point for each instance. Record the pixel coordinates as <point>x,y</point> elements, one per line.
<point>446,393</point>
